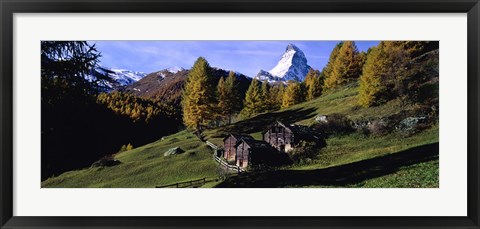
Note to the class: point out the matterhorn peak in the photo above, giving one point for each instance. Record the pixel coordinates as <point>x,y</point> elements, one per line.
<point>291,47</point>
<point>291,66</point>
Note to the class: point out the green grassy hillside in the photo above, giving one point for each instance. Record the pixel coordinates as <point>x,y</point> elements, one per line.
<point>354,155</point>
<point>146,166</point>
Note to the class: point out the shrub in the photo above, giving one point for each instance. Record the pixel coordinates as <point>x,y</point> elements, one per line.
<point>378,127</point>
<point>106,161</point>
<point>364,131</point>
<point>304,152</point>
<point>336,125</point>
<point>125,148</point>
<point>260,168</point>
<point>122,148</point>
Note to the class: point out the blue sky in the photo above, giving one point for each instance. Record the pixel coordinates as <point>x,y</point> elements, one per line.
<point>247,57</point>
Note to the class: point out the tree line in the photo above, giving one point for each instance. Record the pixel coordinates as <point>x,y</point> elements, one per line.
<point>385,72</point>
<point>396,69</point>
<point>207,102</point>
<point>136,108</point>
<point>390,70</point>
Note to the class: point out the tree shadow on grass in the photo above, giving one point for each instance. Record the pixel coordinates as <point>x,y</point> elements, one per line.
<point>262,121</point>
<point>336,176</point>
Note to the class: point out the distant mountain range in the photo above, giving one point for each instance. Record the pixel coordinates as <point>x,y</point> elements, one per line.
<point>166,85</point>
<point>117,78</point>
<point>291,66</point>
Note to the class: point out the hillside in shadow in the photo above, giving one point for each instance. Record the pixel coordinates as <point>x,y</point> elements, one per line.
<point>260,122</point>
<point>338,175</point>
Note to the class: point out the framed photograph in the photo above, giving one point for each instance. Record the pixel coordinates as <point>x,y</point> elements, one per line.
<point>256,114</point>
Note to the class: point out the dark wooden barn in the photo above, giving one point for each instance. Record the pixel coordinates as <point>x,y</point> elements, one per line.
<point>229,144</point>
<point>285,137</point>
<point>254,152</point>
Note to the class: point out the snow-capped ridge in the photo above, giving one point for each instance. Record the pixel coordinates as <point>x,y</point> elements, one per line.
<point>117,77</point>
<point>175,69</point>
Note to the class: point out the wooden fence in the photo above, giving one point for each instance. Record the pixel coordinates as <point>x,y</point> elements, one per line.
<point>187,184</point>
<point>216,150</point>
<point>200,182</point>
<point>213,146</point>
<point>231,168</point>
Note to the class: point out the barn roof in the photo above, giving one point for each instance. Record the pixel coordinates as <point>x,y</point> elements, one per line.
<point>276,123</point>
<point>296,129</point>
<point>238,136</point>
<point>258,144</point>
<point>299,129</point>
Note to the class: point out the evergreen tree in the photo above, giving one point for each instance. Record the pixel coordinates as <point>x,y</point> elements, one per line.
<point>138,109</point>
<point>125,148</point>
<point>420,83</point>
<point>417,48</point>
<point>66,64</point>
<point>253,103</point>
<point>347,65</point>
<point>327,70</point>
<point>198,97</point>
<point>281,94</point>
<point>313,84</point>
<point>233,98</point>
<point>383,74</point>
<point>362,58</point>
<point>122,149</point>
<point>276,96</point>
<point>371,85</point>
<point>265,96</point>
<point>222,97</point>
<point>293,95</point>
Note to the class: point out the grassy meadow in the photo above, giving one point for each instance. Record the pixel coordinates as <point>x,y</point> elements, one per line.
<point>349,160</point>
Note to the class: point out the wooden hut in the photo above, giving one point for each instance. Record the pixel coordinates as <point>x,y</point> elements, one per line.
<point>229,144</point>
<point>253,152</point>
<point>285,137</point>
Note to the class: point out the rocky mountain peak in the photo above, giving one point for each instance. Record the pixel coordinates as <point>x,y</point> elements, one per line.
<point>291,66</point>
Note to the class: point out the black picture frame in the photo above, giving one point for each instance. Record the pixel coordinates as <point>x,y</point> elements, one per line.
<point>9,7</point>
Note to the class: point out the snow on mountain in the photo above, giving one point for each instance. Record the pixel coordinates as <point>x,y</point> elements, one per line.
<point>175,69</point>
<point>168,87</point>
<point>291,66</point>
<point>125,77</point>
<point>115,77</point>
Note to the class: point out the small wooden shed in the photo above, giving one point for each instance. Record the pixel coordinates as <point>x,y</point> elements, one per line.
<point>229,146</point>
<point>250,152</point>
<point>285,137</point>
